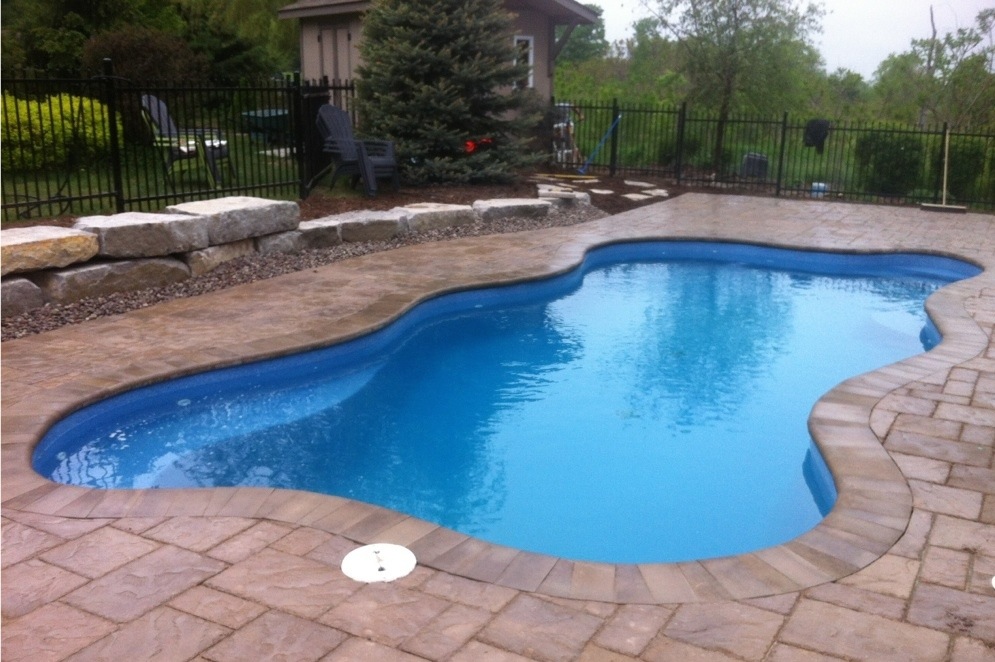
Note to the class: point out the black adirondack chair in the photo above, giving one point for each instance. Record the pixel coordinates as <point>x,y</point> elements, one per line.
<point>367,160</point>
<point>184,149</point>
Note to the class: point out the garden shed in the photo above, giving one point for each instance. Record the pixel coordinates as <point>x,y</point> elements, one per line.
<point>331,31</point>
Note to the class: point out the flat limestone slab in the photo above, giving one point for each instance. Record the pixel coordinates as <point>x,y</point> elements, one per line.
<point>567,199</point>
<point>552,189</point>
<point>354,226</point>
<point>239,217</point>
<point>434,215</point>
<point>44,247</point>
<point>562,194</point>
<point>492,210</point>
<point>143,234</point>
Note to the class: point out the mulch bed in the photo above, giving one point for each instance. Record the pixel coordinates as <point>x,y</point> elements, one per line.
<point>324,202</point>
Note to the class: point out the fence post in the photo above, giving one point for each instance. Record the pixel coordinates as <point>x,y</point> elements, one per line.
<point>681,120</point>
<point>780,158</point>
<point>110,93</point>
<point>613,165</point>
<point>296,94</point>
<point>938,184</point>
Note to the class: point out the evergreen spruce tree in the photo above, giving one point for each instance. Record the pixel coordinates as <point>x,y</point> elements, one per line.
<point>437,73</point>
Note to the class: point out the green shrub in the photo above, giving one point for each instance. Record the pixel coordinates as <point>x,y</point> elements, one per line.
<point>145,54</point>
<point>39,135</point>
<point>967,162</point>
<point>889,163</point>
<point>668,150</point>
<point>706,161</point>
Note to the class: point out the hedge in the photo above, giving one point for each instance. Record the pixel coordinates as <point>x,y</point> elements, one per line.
<point>54,132</point>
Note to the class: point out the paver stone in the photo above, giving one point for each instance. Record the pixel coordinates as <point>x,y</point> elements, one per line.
<point>145,583</point>
<point>386,612</point>
<point>279,637</point>
<point>161,634</point>
<point>731,627</point>
<point>846,633</point>
<point>539,629</point>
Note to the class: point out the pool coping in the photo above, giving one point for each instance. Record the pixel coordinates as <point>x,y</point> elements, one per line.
<point>50,375</point>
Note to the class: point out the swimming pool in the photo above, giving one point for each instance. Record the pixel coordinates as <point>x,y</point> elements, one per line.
<point>461,465</point>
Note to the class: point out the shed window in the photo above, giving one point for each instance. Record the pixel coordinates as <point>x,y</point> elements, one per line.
<point>525,54</point>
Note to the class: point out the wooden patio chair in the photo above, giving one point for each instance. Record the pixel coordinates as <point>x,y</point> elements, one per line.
<point>368,160</point>
<point>186,149</point>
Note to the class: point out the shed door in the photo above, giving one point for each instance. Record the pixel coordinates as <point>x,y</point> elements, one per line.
<point>336,54</point>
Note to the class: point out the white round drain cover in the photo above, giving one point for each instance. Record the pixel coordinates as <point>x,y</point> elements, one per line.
<point>378,563</point>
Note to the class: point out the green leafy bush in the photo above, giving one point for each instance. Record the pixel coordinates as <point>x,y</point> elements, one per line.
<point>967,162</point>
<point>145,54</point>
<point>668,150</point>
<point>889,163</point>
<point>39,135</point>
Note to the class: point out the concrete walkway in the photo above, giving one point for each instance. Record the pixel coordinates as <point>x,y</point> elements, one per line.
<point>900,570</point>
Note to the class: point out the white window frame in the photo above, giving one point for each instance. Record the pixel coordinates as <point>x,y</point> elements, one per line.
<point>521,39</point>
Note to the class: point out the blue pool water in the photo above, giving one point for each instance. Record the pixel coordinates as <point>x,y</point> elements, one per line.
<point>650,406</point>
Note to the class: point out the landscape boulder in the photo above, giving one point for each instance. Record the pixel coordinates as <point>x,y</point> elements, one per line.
<point>564,197</point>
<point>281,242</point>
<point>142,234</point>
<point>102,278</point>
<point>19,295</point>
<point>321,232</point>
<point>425,216</point>
<point>494,210</point>
<point>210,258</point>
<point>236,218</point>
<point>44,247</point>
<point>372,225</point>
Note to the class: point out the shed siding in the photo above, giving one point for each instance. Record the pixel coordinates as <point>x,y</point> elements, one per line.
<point>328,50</point>
<point>330,47</point>
<point>537,25</point>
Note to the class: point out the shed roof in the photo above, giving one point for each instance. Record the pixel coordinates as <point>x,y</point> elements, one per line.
<point>563,12</point>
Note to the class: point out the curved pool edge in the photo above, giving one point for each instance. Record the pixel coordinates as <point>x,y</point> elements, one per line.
<point>871,514</point>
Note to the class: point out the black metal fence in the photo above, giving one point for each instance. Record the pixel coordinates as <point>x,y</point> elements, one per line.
<point>86,147</point>
<point>783,156</point>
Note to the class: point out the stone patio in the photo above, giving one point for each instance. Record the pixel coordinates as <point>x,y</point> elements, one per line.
<point>900,570</point>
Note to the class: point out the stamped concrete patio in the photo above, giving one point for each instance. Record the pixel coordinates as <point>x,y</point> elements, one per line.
<point>900,570</point>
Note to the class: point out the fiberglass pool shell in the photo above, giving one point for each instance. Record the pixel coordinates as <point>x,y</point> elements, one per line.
<point>187,391</point>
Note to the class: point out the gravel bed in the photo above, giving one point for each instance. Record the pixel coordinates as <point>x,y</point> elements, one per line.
<point>258,267</point>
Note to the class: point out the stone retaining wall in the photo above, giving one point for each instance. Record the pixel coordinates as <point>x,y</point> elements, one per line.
<point>101,255</point>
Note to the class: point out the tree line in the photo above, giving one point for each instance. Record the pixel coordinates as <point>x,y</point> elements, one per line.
<point>439,75</point>
<point>757,57</point>
<point>190,40</point>
<point>728,56</point>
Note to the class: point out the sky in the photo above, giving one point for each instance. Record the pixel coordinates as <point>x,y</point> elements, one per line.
<point>856,35</point>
